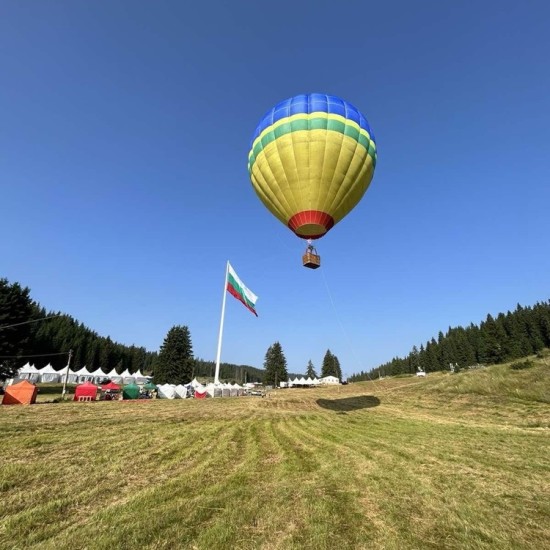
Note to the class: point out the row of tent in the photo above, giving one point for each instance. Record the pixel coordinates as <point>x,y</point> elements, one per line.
<point>48,374</point>
<point>198,391</point>
<point>24,392</point>
<point>310,381</point>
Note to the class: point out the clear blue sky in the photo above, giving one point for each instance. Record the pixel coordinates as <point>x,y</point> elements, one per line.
<point>124,137</point>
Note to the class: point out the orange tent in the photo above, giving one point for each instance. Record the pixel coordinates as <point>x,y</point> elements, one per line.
<point>23,393</point>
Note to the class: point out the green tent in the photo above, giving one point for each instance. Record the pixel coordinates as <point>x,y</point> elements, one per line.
<point>150,386</point>
<point>130,391</point>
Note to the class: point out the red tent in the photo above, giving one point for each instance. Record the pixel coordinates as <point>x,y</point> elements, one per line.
<point>200,395</point>
<point>110,386</point>
<point>85,392</point>
<point>23,393</point>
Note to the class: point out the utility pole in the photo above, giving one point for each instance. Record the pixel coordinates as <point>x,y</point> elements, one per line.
<point>66,375</point>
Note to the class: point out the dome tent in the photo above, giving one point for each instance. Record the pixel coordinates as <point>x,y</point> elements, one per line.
<point>181,391</point>
<point>166,391</point>
<point>130,391</point>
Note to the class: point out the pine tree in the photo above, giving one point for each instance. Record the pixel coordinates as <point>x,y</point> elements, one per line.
<point>275,365</point>
<point>331,366</point>
<point>310,372</point>
<point>16,307</point>
<point>327,367</point>
<point>175,362</point>
<point>337,369</point>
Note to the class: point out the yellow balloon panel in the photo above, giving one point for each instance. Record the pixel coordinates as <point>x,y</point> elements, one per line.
<point>312,170</point>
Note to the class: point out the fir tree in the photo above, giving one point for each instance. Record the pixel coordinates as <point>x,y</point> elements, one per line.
<point>175,362</point>
<point>310,372</point>
<point>331,366</point>
<point>16,307</point>
<point>275,365</point>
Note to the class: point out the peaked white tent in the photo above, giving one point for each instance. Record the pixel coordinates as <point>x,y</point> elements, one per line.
<point>114,377</point>
<point>72,377</point>
<point>49,374</point>
<point>195,383</point>
<point>214,390</point>
<point>97,376</point>
<point>127,377</point>
<point>28,372</point>
<point>141,378</point>
<point>84,375</point>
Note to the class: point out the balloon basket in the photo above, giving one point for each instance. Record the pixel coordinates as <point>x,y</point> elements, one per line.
<point>311,260</point>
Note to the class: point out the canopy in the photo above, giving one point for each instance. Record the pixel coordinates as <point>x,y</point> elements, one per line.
<point>200,393</point>
<point>130,391</point>
<point>23,393</point>
<point>85,392</point>
<point>150,386</point>
<point>110,386</point>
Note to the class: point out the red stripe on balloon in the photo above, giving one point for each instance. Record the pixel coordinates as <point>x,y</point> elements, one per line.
<point>308,217</point>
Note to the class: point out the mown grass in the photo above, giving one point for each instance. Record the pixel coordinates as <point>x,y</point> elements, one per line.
<point>450,461</point>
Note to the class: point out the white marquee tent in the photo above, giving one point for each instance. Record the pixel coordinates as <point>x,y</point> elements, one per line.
<point>28,372</point>
<point>49,374</point>
<point>114,377</point>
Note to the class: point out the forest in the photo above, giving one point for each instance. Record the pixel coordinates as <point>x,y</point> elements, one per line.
<point>508,336</point>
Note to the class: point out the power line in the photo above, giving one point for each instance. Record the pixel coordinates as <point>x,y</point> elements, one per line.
<point>33,321</point>
<point>350,343</point>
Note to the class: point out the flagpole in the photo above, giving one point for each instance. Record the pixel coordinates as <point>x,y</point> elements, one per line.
<point>218,356</point>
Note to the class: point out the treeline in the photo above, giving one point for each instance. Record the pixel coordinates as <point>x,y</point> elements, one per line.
<point>63,333</point>
<point>509,336</point>
<point>30,333</point>
<point>239,374</point>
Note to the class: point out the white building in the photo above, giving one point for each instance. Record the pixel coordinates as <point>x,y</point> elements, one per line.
<point>329,380</point>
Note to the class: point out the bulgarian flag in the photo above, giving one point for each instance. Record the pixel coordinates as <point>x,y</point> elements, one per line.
<point>237,289</point>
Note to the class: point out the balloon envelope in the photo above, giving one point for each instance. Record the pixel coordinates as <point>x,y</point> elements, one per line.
<point>311,160</point>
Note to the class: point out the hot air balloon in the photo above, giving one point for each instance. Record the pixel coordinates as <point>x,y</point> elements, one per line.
<point>311,160</point>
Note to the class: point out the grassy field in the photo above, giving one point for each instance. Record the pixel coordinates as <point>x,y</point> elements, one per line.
<point>449,461</point>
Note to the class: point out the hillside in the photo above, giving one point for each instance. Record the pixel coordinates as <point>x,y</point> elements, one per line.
<point>454,461</point>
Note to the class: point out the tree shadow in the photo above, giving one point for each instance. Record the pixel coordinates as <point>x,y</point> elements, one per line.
<point>349,403</point>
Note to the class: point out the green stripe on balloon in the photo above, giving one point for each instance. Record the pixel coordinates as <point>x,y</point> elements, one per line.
<point>319,123</point>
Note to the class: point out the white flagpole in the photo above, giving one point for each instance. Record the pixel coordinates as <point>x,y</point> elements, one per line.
<point>218,356</point>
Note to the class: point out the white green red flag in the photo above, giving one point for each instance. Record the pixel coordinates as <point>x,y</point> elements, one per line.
<point>236,288</point>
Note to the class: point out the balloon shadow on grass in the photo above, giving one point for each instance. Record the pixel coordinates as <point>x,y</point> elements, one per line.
<point>349,403</point>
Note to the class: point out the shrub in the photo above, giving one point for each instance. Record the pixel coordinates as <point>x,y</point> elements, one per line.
<point>520,365</point>
<point>543,353</point>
